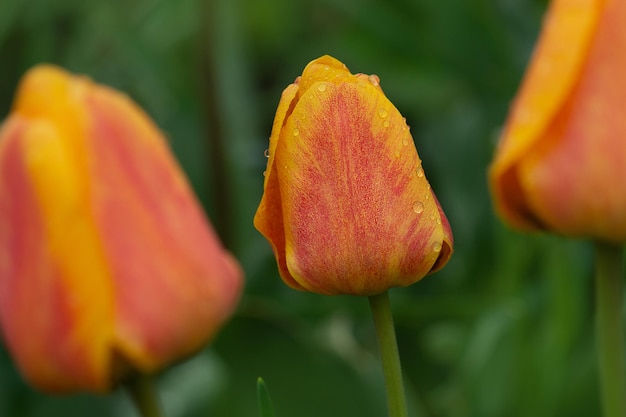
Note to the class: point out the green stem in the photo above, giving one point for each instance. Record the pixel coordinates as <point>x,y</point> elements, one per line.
<point>609,329</point>
<point>383,320</point>
<point>144,396</point>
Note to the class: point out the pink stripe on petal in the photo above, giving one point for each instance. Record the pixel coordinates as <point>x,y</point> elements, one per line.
<point>175,284</point>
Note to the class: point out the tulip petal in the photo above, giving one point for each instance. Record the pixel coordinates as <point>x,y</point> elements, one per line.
<point>57,322</point>
<point>165,264</point>
<point>575,175</point>
<point>269,216</point>
<point>552,74</point>
<point>359,214</point>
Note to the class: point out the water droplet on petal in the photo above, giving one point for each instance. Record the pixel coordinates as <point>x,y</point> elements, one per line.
<point>374,80</point>
<point>405,141</point>
<point>436,246</point>
<point>420,172</point>
<point>438,221</point>
<point>266,153</point>
<point>386,123</point>
<point>264,173</point>
<point>382,113</point>
<point>418,207</point>
<point>397,154</point>
<point>326,68</point>
<point>296,131</point>
<point>431,217</point>
<point>322,87</point>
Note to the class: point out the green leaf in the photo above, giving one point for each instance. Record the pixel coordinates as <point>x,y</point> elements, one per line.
<point>265,402</point>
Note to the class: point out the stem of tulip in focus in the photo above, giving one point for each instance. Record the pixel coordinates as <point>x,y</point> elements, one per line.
<point>609,329</point>
<point>144,396</point>
<point>383,321</point>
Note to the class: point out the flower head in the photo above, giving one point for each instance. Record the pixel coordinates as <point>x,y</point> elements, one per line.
<point>346,205</point>
<point>561,163</point>
<point>107,263</point>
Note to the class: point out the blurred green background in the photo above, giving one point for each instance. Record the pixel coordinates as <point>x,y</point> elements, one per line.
<point>504,330</point>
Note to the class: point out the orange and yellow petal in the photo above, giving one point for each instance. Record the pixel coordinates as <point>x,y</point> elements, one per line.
<point>553,73</point>
<point>574,179</point>
<point>269,215</point>
<point>359,214</point>
<point>57,323</point>
<point>174,282</point>
<point>561,159</point>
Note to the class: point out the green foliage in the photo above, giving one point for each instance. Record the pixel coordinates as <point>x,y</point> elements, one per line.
<point>266,407</point>
<point>504,330</point>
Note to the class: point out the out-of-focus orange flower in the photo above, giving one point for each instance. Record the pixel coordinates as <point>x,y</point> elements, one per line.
<point>346,206</point>
<point>107,263</point>
<point>561,163</point>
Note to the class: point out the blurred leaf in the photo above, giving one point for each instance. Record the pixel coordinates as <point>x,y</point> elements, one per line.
<point>266,407</point>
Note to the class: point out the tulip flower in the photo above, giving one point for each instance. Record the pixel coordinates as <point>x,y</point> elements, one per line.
<point>108,266</point>
<point>346,205</point>
<point>561,163</point>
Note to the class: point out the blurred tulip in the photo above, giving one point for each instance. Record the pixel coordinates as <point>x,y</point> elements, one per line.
<point>107,264</point>
<point>346,206</point>
<point>561,163</point>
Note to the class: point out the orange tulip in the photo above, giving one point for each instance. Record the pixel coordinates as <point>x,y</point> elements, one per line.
<point>346,206</point>
<point>107,263</point>
<point>561,163</point>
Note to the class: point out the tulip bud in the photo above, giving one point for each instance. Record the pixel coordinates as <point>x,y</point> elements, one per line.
<point>561,162</point>
<point>346,205</point>
<point>107,263</point>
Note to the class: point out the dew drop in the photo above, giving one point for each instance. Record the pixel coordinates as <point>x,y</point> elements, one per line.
<point>296,131</point>
<point>382,113</point>
<point>420,172</point>
<point>266,153</point>
<point>264,173</point>
<point>438,221</point>
<point>326,68</point>
<point>397,154</point>
<point>374,80</point>
<point>418,207</point>
<point>431,217</point>
<point>386,123</point>
<point>436,246</point>
<point>322,87</point>
<point>405,141</point>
